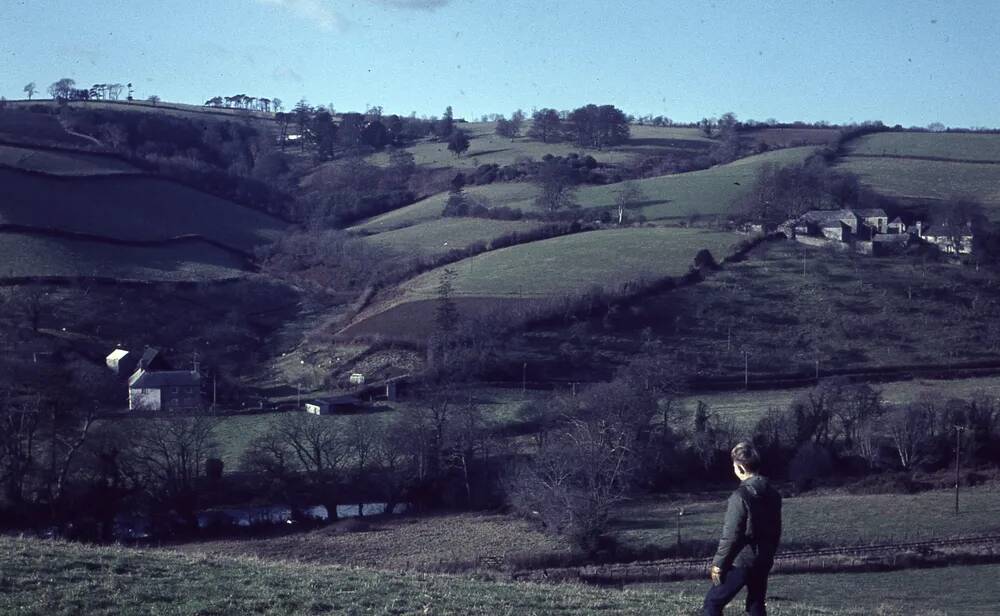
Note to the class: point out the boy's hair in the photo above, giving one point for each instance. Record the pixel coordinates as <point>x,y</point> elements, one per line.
<point>745,454</point>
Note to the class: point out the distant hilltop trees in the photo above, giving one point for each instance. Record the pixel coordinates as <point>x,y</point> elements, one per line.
<point>65,89</point>
<point>242,101</point>
<point>590,126</point>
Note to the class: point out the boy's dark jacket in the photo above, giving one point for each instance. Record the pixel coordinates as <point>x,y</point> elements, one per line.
<point>752,529</point>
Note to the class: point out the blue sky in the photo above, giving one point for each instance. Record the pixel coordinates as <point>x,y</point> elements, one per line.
<point>901,62</point>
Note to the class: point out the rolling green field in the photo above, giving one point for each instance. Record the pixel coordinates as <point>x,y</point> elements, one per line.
<point>968,590</point>
<point>549,269</point>
<point>574,263</point>
<point>930,166</point>
<point>24,254</point>
<point>820,519</point>
<point>697,193</point>
<point>54,579</point>
<point>747,407</point>
<point>516,194</point>
<point>953,146</point>
<point>928,179</point>
<point>62,163</point>
<point>131,208</point>
<point>486,147</point>
<point>439,236</point>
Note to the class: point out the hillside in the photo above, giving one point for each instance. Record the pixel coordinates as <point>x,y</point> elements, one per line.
<point>130,207</point>
<point>546,271</point>
<point>53,578</point>
<point>486,147</point>
<point>439,236</point>
<point>669,197</point>
<point>62,163</point>
<point>929,166</point>
<point>34,255</point>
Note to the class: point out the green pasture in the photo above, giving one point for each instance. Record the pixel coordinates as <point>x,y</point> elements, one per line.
<point>23,254</point>
<point>697,193</point>
<point>747,407</point>
<point>517,194</point>
<point>131,208</point>
<point>811,520</point>
<point>441,235</point>
<point>55,579</point>
<point>967,590</point>
<point>547,270</point>
<point>486,147</point>
<point>575,263</point>
<point>62,163</point>
<point>952,146</point>
<point>233,433</point>
<point>928,179</point>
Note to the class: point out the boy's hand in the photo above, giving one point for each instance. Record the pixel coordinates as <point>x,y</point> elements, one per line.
<point>717,575</point>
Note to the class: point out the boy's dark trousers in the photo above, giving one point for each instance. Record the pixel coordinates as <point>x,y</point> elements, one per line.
<point>754,578</point>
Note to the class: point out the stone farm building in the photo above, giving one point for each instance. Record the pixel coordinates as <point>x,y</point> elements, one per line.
<point>869,231</point>
<point>167,390</point>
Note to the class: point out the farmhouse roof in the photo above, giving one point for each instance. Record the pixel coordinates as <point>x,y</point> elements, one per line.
<point>897,220</point>
<point>824,217</point>
<point>149,356</point>
<point>117,354</point>
<point>167,378</point>
<point>871,213</point>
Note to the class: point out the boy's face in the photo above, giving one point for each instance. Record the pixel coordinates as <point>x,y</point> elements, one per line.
<point>740,473</point>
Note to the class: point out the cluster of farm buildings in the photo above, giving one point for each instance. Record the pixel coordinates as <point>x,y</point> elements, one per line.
<point>153,385</point>
<point>869,231</point>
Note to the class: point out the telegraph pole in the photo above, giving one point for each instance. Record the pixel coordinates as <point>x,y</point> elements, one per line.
<point>524,378</point>
<point>958,461</point>
<point>746,369</point>
<point>680,513</point>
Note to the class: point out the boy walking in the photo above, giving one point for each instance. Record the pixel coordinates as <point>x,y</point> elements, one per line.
<point>750,537</point>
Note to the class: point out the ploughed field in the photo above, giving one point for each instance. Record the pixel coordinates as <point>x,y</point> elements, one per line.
<point>131,208</point>
<point>33,255</point>
<point>62,162</point>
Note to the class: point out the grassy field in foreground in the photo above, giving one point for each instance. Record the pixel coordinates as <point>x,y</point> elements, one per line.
<point>438,237</point>
<point>697,193</point>
<point>953,146</point>
<point>130,208</point>
<point>928,179</point>
<point>24,254</point>
<point>62,163</point>
<point>950,591</point>
<point>749,406</point>
<point>54,579</point>
<point>820,519</point>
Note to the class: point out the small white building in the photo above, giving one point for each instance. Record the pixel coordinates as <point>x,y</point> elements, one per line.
<point>121,362</point>
<point>357,378</point>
